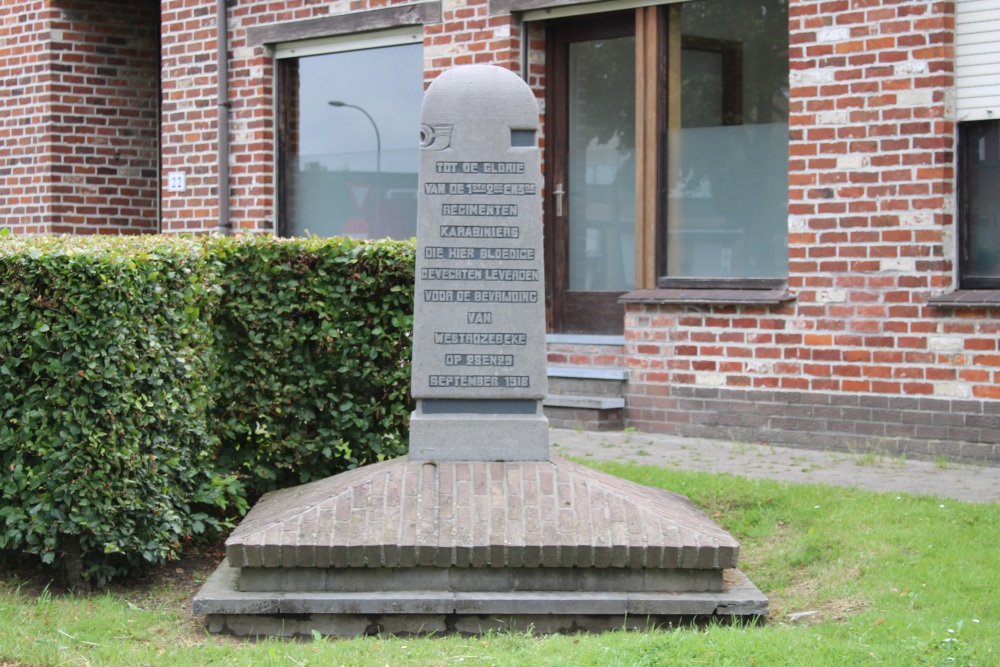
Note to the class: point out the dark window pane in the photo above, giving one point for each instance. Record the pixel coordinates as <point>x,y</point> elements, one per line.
<point>981,196</point>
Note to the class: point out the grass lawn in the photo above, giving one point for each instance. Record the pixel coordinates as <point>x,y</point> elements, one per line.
<point>855,578</point>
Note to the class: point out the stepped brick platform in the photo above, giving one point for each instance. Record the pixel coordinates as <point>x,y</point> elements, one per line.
<point>478,528</point>
<point>404,514</point>
<point>402,545</point>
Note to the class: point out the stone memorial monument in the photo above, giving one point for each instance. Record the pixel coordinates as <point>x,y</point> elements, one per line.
<point>479,304</point>
<point>478,527</point>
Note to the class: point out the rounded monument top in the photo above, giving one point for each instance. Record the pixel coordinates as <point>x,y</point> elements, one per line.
<point>477,93</point>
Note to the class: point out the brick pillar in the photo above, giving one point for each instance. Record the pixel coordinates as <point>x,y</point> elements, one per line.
<point>469,35</point>
<point>105,70</point>
<point>189,114</point>
<point>25,121</point>
<point>80,121</point>
<point>871,198</point>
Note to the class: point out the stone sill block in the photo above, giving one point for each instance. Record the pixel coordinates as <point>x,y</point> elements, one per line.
<point>587,373</point>
<point>220,597</point>
<point>765,297</point>
<point>967,298</point>
<point>584,402</point>
<point>585,339</point>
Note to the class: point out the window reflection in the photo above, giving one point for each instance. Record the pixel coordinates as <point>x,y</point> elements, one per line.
<point>602,164</point>
<point>727,153</point>
<point>351,166</point>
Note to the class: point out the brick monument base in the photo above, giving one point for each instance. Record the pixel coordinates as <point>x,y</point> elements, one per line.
<point>406,547</point>
<point>478,527</point>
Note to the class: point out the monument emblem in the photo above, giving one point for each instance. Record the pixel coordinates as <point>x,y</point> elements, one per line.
<point>477,528</point>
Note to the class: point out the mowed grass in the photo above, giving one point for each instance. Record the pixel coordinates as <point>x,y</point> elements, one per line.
<point>855,578</point>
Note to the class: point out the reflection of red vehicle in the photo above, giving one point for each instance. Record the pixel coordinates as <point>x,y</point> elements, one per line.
<point>391,218</point>
<point>356,228</point>
<point>395,220</point>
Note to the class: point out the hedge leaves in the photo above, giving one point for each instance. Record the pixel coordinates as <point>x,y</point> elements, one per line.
<point>150,388</point>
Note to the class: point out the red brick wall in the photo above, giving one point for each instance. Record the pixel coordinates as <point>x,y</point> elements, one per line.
<point>25,142</point>
<point>189,116</point>
<point>80,135</point>
<point>104,117</point>
<point>466,35</point>
<point>871,240</point>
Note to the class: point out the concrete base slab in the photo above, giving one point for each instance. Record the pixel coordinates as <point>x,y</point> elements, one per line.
<point>409,546</point>
<point>479,579</point>
<point>291,614</point>
<point>288,627</point>
<point>479,438</point>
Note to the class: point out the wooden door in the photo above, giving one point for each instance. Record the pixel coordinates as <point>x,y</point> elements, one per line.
<point>590,172</point>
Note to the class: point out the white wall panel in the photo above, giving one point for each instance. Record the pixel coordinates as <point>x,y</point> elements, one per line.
<point>977,59</point>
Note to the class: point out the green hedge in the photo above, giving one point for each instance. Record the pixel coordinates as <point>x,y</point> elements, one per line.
<point>313,338</point>
<point>150,388</point>
<point>104,438</point>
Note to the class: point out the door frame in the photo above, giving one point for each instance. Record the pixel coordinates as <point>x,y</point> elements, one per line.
<point>599,312</point>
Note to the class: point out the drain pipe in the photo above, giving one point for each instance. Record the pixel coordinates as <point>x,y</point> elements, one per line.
<point>222,103</point>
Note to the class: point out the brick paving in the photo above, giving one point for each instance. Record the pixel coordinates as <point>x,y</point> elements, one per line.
<point>873,469</point>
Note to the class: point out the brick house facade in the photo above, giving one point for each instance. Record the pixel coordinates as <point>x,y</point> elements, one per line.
<point>80,122</point>
<point>873,335</point>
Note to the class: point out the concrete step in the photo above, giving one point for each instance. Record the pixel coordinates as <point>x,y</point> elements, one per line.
<point>591,399</point>
<point>585,387</point>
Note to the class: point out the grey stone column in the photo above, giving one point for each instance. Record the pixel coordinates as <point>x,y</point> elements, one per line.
<point>479,314</point>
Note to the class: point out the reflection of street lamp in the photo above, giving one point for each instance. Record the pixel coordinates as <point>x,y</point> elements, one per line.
<point>378,152</point>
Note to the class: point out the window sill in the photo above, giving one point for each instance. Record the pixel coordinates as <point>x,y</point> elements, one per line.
<point>384,18</point>
<point>967,298</point>
<point>508,6</point>
<point>767,297</point>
